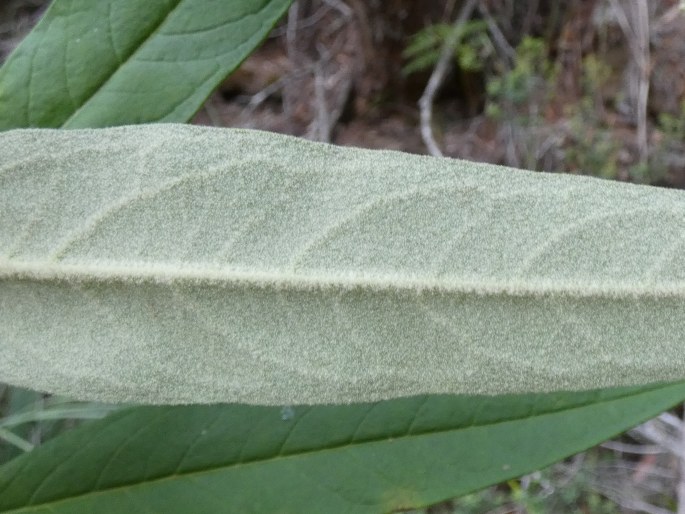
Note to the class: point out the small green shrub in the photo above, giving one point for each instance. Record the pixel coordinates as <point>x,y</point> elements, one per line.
<point>424,47</point>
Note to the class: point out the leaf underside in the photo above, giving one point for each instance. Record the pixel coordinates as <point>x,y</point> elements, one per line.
<point>365,458</point>
<point>115,62</point>
<point>179,264</point>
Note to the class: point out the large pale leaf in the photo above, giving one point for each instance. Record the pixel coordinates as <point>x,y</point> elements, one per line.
<point>354,459</point>
<point>184,264</point>
<point>113,62</point>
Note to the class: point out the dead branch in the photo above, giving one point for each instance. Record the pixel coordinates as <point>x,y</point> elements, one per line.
<point>438,75</point>
<point>636,33</point>
<point>680,487</point>
<point>506,51</point>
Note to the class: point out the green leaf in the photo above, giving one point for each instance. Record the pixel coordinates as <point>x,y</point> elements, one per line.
<point>180,264</point>
<point>365,458</point>
<point>114,62</point>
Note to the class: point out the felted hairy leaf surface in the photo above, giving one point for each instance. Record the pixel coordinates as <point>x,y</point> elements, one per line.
<point>171,264</point>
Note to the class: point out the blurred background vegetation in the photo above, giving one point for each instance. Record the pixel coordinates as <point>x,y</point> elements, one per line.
<point>577,86</point>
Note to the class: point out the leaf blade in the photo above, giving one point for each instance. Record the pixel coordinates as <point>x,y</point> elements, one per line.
<point>306,273</point>
<point>372,458</point>
<point>90,64</point>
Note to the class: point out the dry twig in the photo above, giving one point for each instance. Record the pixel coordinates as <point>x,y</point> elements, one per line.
<point>507,52</point>
<point>438,75</point>
<point>636,33</point>
<point>680,487</point>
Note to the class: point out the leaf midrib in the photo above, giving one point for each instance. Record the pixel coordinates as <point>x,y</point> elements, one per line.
<point>324,280</point>
<point>279,456</point>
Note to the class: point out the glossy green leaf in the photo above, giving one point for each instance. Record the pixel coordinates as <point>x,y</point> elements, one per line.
<point>179,264</point>
<point>114,62</point>
<point>367,458</point>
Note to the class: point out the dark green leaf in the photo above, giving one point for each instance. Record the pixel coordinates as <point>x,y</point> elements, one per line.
<point>114,62</point>
<point>364,458</point>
